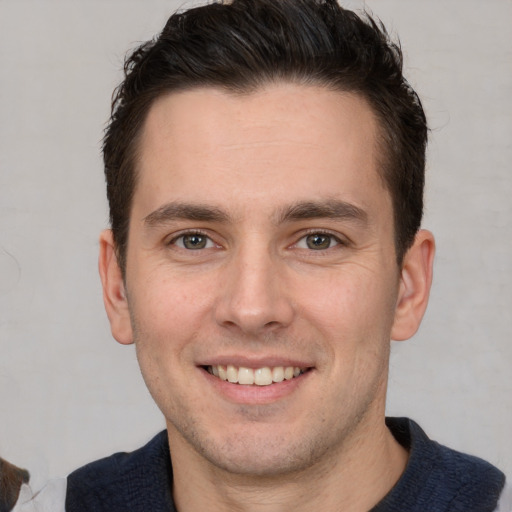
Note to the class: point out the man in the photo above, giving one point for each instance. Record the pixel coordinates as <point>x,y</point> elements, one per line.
<point>265,168</point>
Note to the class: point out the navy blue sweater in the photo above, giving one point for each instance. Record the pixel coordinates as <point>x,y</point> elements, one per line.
<point>436,479</point>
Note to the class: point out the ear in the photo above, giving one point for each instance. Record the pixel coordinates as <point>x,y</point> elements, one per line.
<point>114,294</point>
<point>414,288</point>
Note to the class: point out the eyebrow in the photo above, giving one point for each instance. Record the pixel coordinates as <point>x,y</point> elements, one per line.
<point>184,211</point>
<point>329,209</point>
<point>304,210</point>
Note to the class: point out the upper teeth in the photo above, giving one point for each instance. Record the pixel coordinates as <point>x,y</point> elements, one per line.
<point>259,376</point>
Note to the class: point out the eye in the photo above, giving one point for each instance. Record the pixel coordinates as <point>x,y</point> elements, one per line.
<point>318,241</point>
<point>193,241</point>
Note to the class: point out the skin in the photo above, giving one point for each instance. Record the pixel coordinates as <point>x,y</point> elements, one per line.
<point>257,177</point>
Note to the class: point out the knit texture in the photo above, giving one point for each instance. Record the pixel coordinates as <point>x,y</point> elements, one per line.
<point>438,479</point>
<point>140,481</point>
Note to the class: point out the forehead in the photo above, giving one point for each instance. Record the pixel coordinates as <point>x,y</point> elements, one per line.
<point>285,142</point>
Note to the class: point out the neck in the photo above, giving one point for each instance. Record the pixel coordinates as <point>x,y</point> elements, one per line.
<point>353,479</point>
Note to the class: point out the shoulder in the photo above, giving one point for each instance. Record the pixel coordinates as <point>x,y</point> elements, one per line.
<point>136,481</point>
<point>438,478</point>
<point>123,479</point>
<point>110,471</point>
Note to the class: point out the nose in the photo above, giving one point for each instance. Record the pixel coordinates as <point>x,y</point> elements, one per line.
<point>254,297</point>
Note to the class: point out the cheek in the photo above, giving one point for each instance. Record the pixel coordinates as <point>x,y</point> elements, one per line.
<point>346,299</point>
<point>167,306</point>
<point>353,312</point>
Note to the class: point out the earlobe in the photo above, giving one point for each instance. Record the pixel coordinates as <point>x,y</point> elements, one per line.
<point>414,289</point>
<point>114,293</point>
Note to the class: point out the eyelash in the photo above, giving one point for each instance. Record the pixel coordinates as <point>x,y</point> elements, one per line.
<point>199,233</point>
<point>332,236</point>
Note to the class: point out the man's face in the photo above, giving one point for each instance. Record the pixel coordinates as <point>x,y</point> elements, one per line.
<point>261,239</point>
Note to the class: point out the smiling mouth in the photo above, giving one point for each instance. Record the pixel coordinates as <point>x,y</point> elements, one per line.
<point>255,376</point>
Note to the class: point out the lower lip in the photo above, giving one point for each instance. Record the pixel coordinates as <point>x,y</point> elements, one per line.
<point>253,394</point>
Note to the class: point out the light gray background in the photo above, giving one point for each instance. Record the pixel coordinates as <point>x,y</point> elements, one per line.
<point>69,393</point>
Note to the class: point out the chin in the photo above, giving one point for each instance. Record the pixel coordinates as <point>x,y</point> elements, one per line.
<point>262,454</point>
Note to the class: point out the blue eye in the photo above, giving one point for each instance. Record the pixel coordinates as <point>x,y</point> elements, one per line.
<point>193,241</point>
<point>318,241</point>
